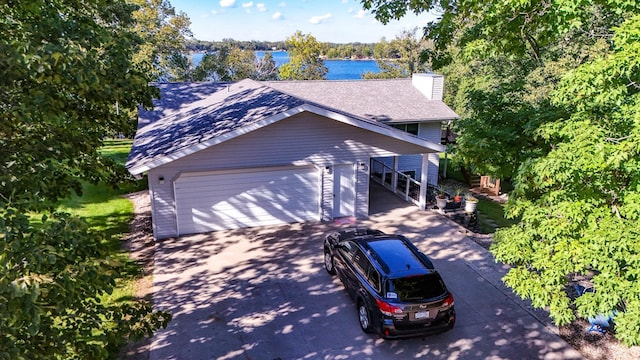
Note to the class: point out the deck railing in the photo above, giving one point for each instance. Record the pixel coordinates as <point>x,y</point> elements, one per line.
<point>406,187</point>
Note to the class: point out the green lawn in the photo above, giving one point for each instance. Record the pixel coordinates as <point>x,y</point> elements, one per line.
<point>117,149</point>
<point>491,216</point>
<point>490,213</point>
<point>107,210</point>
<point>104,207</point>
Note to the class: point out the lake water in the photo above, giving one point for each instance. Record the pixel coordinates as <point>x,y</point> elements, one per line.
<point>338,69</point>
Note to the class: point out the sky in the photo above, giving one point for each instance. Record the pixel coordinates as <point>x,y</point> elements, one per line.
<point>336,21</point>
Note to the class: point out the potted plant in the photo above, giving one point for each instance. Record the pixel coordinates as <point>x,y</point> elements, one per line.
<point>458,195</point>
<point>471,203</point>
<point>441,198</point>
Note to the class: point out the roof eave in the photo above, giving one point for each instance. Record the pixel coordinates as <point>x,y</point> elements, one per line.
<point>417,121</point>
<point>139,169</point>
<point>376,128</point>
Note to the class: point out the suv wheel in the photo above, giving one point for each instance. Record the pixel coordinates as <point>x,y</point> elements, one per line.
<point>363,317</point>
<point>328,263</point>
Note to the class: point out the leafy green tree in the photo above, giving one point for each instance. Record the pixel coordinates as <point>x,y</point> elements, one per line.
<point>242,64</point>
<point>164,32</point>
<point>333,53</point>
<point>400,57</point>
<point>266,68</point>
<point>181,68</point>
<point>66,70</point>
<point>548,92</point>
<point>305,62</point>
<point>213,67</point>
<point>231,64</point>
<point>579,202</point>
<point>382,50</point>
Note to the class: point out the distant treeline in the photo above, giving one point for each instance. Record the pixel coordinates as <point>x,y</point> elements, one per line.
<point>329,50</point>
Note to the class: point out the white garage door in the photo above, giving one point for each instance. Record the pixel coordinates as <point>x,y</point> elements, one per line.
<point>247,198</point>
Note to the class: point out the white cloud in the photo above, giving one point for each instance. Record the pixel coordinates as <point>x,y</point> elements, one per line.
<point>320,19</point>
<point>214,12</point>
<point>247,4</point>
<point>360,14</point>
<point>261,7</point>
<point>277,16</point>
<point>227,3</point>
<point>282,4</point>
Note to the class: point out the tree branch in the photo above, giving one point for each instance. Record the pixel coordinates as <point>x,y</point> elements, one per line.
<point>617,140</point>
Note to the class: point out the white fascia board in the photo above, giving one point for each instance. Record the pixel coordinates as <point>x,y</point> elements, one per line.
<point>420,121</point>
<point>377,128</point>
<point>135,170</point>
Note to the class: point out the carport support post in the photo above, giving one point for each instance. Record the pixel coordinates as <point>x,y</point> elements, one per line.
<point>394,174</point>
<point>424,182</point>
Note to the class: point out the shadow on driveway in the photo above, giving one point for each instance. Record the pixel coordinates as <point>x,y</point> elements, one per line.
<point>263,293</point>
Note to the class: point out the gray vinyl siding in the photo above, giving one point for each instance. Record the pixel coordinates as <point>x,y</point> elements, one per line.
<point>362,191</point>
<point>430,131</point>
<point>300,140</point>
<point>303,139</point>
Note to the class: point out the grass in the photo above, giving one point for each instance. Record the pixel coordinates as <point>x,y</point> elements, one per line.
<point>106,210</point>
<point>490,213</point>
<point>491,216</point>
<point>117,149</point>
<point>102,207</point>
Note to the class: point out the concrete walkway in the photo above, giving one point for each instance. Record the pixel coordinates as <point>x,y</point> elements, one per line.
<point>262,293</point>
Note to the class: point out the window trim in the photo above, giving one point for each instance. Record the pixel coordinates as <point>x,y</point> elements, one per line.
<point>405,128</point>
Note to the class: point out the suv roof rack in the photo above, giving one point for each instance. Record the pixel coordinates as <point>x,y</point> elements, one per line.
<point>353,232</point>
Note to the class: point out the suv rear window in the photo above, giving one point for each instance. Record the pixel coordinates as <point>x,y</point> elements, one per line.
<point>417,288</point>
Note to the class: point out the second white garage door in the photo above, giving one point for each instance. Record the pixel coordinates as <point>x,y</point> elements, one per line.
<point>255,197</point>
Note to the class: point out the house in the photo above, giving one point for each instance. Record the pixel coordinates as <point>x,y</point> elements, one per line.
<point>243,154</point>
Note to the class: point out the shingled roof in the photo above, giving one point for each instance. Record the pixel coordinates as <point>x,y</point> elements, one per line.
<point>388,100</point>
<point>193,116</point>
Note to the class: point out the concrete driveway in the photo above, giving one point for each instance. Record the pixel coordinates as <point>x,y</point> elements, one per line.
<point>263,294</point>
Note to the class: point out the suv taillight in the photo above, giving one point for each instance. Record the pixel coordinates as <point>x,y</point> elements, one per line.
<point>388,309</point>
<point>448,302</point>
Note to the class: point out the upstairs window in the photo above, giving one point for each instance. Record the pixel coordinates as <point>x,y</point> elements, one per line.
<point>409,128</point>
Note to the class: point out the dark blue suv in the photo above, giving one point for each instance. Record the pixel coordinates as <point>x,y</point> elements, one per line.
<point>397,291</point>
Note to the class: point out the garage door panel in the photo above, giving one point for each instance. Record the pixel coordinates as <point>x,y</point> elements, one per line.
<point>254,198</point>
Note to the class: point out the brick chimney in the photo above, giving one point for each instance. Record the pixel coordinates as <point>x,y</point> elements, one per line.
<point>430,85</point>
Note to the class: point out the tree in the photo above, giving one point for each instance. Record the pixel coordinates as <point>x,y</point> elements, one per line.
<point>554,88</point>
<point>181,68</point>
<point>66,69</point>
<point>304,59</point>
<point>242,64</point>
<point>579,202</point>
<point>231,64</point>
<point>213,67</point>
<point>400,57</point>
<point>266,68</point>
<point>164,32</point>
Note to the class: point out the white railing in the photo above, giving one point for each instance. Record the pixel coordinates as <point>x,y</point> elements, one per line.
<point>396,181</point>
